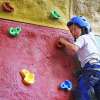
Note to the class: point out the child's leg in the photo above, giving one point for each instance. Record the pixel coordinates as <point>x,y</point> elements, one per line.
<point>82,91</point>
<point>85,89</point>
<point>97,90</point>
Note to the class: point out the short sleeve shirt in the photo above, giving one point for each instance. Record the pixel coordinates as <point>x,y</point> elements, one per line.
<point>87,48</point>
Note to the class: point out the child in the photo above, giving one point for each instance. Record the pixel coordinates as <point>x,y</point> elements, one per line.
<point>85,48</point>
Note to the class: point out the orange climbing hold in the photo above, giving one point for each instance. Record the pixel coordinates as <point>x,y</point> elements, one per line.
<point>27,76</point>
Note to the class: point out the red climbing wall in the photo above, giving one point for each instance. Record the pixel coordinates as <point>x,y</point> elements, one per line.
<point>35,50</point>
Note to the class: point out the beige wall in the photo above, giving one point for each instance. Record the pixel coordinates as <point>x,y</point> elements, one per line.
<point>38,11</point>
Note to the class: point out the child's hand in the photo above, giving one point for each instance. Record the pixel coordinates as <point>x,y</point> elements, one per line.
<point>61,42</point>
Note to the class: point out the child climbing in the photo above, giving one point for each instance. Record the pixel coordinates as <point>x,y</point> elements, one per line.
<point>88,55</point>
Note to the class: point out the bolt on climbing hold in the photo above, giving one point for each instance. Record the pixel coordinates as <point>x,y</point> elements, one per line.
<point>6,6</point>
<point>15,31</point>
<point>55,14</point>
<point>28,78</point>
<point>66,85</point>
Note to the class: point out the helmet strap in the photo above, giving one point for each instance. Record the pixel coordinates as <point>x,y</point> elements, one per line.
<point>84,31</point>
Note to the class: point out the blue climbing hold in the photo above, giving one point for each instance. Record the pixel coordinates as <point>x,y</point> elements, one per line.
<point>66,85</point>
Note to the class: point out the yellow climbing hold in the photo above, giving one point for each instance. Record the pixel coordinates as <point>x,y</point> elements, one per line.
<point>27,76</point>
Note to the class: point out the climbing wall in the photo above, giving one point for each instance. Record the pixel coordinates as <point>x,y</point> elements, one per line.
<point>35,50</point>
<point>29,30</point>
<point>37,11</point>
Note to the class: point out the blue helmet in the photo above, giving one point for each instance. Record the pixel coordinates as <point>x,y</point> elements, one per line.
<point>80,21</point>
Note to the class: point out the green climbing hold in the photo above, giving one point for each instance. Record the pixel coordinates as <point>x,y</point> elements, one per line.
<point>55,14</point>
<point>14,31</point>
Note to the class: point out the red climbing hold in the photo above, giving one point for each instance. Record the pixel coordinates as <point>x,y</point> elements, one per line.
<point>7,7</point>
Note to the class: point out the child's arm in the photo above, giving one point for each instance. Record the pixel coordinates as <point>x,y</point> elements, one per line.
<point>71,48</point>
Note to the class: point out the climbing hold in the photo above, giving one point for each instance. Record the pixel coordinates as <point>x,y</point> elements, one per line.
<point>27,76</point>
<point>55,14</point>
<point>18,29</point>
<point>7,7</point>
<point>66,85</point>
<point>15,31</point>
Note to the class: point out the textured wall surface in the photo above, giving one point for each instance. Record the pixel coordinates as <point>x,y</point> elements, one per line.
<point>34,49</point>
<point>38,11</point>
